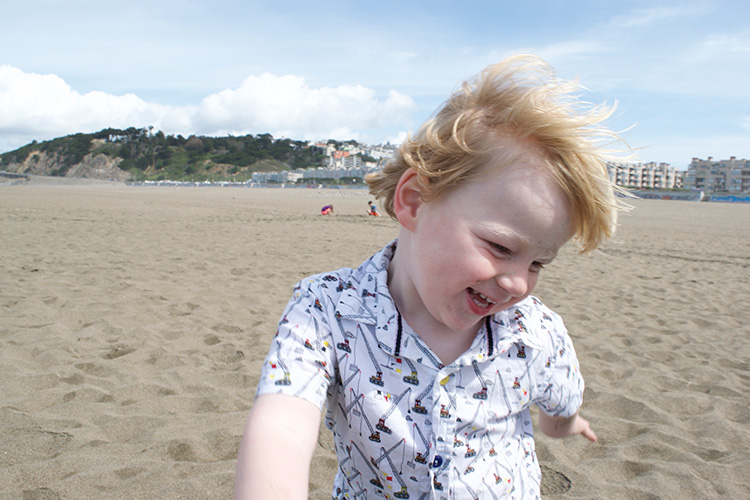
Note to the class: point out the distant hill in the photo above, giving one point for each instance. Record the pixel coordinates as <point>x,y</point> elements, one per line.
<point>139,154</point>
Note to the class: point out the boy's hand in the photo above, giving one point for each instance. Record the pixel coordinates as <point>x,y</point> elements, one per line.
<point>559,427</point>
<point>582,427</point>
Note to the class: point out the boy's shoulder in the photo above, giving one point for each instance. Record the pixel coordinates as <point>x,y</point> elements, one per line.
<point>359,294</point>
<point>540,306</point>
<point>329,283</point>
<point>531,322</point>
<point>366,279</point>
<point>332,281</point>
<point>530,307</point>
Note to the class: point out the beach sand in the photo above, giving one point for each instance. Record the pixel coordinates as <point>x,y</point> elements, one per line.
<point>134,321</point>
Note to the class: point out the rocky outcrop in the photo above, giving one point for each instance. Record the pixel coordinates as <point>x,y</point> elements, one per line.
<point>99,167</point>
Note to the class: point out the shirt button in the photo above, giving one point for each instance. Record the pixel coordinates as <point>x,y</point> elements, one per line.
<point>438,461</point>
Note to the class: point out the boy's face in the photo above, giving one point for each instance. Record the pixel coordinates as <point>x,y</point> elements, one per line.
<point>479,248</point>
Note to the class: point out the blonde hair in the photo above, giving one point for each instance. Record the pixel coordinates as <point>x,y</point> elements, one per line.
<point>521,98</point>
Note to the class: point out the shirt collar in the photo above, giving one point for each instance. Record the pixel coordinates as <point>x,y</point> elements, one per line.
<point>369,300</point>
<point>365,296</point>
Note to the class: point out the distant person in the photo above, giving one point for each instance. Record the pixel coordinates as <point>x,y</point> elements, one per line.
<point>326,210</point>
<point>430,355</point>
<point>372,209</point>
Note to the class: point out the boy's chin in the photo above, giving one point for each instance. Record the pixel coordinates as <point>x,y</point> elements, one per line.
<point>466,324</point>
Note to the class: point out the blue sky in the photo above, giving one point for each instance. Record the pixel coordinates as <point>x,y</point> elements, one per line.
<point>370,71</point>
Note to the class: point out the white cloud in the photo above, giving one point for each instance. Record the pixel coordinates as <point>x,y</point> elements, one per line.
<point>653,15</point>
<point>404,56</point>
<point>726,46</point>
<point>659,49</point>
<point>41,107</point>
<point>46,106</point>
<point>572,50</point>
<point>716,64</point>
<point>398,138</point>
<point>286,103</point>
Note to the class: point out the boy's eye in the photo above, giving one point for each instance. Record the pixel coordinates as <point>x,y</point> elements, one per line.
<point>536,266</point>
<point>499,248</point>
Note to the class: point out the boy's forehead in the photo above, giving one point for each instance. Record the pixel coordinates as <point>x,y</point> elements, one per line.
<point>525,186</point>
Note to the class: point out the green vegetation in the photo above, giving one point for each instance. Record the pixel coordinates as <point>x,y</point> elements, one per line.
<point>156,156</point>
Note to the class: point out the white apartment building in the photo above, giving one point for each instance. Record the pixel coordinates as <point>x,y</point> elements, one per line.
<point>381,152</point>
<point>649,175</point>
<point>719,176</point>
<point>335,173</point>
<point>276,177</point>
<point>347,162</point>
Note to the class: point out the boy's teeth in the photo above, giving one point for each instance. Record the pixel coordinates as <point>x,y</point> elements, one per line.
<point>484,298</point>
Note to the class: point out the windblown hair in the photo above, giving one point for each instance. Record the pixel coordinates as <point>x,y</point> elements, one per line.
<point>519,98</point>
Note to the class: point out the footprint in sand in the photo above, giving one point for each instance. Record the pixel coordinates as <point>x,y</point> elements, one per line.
<point>553,482</point>
<point>118,351</point>
<point>40,494</point>
<point>183,309</point>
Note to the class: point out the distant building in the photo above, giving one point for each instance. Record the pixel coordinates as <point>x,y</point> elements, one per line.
<point>276,177</point>
<point>649,175</point>
<point>719,176</point>
<point>338,172</point>
<point>346,163</point>
<point>381,152</point>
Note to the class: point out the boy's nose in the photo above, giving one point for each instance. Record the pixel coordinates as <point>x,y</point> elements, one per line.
<point>515,283</point>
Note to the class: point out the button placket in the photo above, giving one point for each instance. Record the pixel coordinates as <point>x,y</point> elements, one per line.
<point>444,423</point>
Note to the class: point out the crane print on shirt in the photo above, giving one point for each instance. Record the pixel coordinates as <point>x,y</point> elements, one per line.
<point>404,425</point>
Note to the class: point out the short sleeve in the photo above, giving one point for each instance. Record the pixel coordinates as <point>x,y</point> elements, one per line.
<point>562,394</point>
<point>299,362</point>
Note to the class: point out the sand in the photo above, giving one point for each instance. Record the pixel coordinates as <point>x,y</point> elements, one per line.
<point>134,320</point>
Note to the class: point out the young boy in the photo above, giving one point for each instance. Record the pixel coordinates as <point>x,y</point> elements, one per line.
<point>430,354</point>
<point>372,209</point>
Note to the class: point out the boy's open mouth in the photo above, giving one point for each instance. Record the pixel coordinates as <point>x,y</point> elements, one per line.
<point>480,299</point>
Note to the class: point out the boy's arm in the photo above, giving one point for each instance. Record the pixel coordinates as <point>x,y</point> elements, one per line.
<point>559,427</point>
<point>276,449</point>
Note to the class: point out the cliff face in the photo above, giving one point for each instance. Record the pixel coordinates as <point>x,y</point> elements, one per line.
<point>99,167</point>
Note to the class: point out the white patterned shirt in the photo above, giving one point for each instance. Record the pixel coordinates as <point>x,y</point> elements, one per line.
<point>404,425</point>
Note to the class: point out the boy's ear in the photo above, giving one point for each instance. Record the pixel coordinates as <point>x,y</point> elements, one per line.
<point>408,199</point>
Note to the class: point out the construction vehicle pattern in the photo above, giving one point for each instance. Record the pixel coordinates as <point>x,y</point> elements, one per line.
<point>403,492</point>
<point>404,425</point>
<point>285,380</point>
<point>374,480</point>
<point>377,378</point>
<point>418,407</point>
<point>374,435</point>
<point>412,378</point>
<point>383,453</point>
<point>381,422</point>
<point>481,394</point>
<point>420,457</point>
